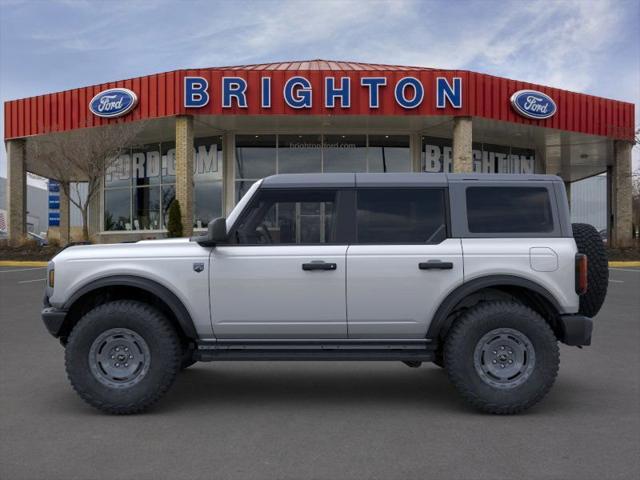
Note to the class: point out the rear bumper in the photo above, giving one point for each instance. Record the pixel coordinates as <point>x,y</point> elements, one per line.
<point>53,319</point>
<point>576,330</point>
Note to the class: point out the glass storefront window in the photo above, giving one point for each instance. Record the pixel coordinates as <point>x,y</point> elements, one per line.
<point>168,162</point>
<point>145,165</point>
<point>255,156</point>
<point>118,174</point>
<point>344,153</point>
<point>207,159</point>
<point>299,153</point>
<point>146,208</point>
<point>436,154</point>
<point>487,158</point>
<point>389,153</point>
<point>208,202</point>
<point>117,209</point>
<point>207,180</point>
<point>168,195</point>
<point>144,180</point>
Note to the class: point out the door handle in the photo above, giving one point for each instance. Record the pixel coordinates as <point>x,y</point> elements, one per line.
<point>435,265</point>
<point>319,265</point>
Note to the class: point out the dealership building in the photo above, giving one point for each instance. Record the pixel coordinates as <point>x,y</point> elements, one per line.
<point>204,136</point>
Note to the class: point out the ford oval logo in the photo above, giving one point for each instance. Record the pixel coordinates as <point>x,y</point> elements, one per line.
<point>533,104</point>
<point>114,102</point>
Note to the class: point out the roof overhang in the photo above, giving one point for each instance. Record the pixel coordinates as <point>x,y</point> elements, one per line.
<point>445,94</point>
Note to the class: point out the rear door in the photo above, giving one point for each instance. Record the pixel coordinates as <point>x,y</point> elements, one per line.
<point>402,263</point>
<point>284,275</point>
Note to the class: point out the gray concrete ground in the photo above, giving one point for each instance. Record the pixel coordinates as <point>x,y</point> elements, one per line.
<point>319,420</point>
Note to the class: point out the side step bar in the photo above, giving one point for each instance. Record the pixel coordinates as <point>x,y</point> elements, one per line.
<point>360,350</point>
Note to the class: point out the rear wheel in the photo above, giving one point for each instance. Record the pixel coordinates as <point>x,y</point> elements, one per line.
<point>590,243</point>
<point>122,356</point>
<point>502,357</point>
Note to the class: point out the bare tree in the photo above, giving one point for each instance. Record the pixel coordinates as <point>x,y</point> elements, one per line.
<point>82,156</point>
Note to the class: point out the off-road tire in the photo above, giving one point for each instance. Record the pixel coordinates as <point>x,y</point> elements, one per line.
<point>590,243</point>
<point>164,349</point>
<point>468,331</point>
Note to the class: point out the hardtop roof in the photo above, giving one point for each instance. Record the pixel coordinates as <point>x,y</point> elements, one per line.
<point>345,180</point>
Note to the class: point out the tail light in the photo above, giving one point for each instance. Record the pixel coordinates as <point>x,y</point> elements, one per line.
<point>581,274</point>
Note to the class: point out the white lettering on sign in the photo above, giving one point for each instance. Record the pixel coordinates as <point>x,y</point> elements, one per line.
<point>438,158</point>
<point>151,164</point>
<point>533,104</point>
<point>108,104</point>
<point>298,92</point>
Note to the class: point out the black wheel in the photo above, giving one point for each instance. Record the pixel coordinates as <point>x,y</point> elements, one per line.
<point>590,243</point>
<point>502,357</point>
<point>122,356</point>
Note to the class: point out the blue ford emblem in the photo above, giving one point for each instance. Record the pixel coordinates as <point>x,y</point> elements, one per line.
<point>533,104</point>
<point>114,102</point>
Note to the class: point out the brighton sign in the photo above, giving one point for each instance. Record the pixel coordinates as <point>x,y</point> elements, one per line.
<point>533,104</point>
<point>297,92</point>
<point>113,103</point>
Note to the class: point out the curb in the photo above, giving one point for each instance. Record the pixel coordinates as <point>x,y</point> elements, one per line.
<point>21,263</point>
<point>625,264</point>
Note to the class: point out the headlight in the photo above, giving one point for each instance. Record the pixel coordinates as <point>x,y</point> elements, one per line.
<point>52,276</point>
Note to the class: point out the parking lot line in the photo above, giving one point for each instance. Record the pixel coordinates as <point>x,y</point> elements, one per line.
<point>36,280</point>
<point>22,269</point>
<point>625,269</point>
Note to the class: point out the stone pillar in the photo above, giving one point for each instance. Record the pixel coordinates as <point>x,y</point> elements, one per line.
<point>184,171</point>
<point>16,191</point>
<point>65,220</point>
<point>621,193</point>
<point>415,147</point>
<point>462,149</point>
<point>228,172</point>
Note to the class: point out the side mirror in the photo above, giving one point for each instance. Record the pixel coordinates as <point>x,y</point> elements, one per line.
<point>216,233</point>
<point>217,230</point>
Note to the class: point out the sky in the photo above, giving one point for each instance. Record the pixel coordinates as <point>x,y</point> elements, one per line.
<point>589,46</point>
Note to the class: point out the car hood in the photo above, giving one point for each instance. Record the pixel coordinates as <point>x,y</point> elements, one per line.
<point>172,247</point>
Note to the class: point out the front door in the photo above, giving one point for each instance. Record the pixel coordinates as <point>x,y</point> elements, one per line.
<point>402,264</point>
<point>283,275</point>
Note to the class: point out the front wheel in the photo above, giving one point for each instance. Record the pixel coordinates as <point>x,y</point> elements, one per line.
<point>502,357</point>
<point>122,356</point>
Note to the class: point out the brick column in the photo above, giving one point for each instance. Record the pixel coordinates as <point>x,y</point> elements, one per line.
<point>184,171</point>
<point>415,147</point>
<point>16,191</point>
<point>621,192</point>
<point>65,220</point>
<point>462,149</point>
<point>228,172</point>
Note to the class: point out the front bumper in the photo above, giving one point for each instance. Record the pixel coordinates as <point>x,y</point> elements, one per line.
<point>575,330</point>
<point>53,319</point>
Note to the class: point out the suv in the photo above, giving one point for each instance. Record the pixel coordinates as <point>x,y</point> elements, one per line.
<point>480,274</point>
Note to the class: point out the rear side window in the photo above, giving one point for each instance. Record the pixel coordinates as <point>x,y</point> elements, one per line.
<point>509,210</point>
<point>392,215</point>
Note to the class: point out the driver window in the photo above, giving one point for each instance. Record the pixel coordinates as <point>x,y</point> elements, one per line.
<point>281,217</point>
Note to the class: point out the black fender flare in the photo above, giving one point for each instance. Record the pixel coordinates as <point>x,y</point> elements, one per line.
<point>439,321</point>
<point>151,286</point>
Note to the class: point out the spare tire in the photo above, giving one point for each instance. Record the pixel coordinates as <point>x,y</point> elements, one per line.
<point>590,243</point>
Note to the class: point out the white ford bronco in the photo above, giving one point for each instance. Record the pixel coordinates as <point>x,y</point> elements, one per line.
<point>480,274</point>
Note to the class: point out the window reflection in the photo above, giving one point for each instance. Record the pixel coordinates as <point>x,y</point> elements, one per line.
<point>345,153</point>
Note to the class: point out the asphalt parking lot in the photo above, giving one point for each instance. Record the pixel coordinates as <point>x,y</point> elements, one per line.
<point>319,420</point>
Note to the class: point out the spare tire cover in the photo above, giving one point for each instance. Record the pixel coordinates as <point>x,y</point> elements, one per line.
<point>589,242</point>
